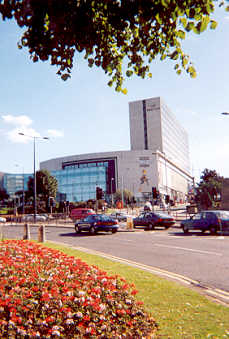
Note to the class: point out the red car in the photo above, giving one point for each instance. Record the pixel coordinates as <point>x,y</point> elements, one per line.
<point>80,213</point>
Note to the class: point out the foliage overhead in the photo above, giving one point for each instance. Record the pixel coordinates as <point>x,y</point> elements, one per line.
<point>209,188</point>
<point>121,37</point>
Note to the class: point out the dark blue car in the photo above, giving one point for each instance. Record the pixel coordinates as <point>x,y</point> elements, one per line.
<point>212,221</point>
<point>97,223</point>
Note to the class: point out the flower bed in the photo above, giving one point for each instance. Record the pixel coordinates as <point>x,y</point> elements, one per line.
<point>47,294</point>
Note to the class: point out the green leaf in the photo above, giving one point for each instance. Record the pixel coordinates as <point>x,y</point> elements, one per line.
<point>124,91</point>
<point>204,23</point>
<point>176,66</point>
<point>191,70</point>
<point>178,71</point>
<point>181,34</point>
<point>174,55</point>
<point>196,29</point>
<point>214,24</point>
<point>129,73</point>
<point>157,16</point>
<point>183,21</point>
<point>184,62</point>
<point>190,26</point>
<point>65,76</point>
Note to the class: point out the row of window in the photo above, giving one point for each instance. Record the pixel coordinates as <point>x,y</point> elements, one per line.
<point>86,165</point>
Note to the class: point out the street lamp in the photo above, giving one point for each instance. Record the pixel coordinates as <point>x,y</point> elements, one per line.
<point>34,170</point>
<point>112,201</point>
<point>23,190</point>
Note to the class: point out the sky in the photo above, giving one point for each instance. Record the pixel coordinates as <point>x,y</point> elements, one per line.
<point>85,115</point>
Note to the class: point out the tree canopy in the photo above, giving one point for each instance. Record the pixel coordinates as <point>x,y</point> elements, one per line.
<point>46,185</point>
<point>121,36</point>
<point>208,190</point>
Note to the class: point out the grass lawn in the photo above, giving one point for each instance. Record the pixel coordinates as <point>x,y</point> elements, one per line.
<point>180,312</point>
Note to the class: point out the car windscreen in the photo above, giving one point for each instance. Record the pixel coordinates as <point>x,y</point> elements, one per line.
<point>163,215</point>
<point>223,215</point>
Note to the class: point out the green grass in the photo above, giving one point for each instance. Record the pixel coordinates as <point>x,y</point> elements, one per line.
<point>181,313</point>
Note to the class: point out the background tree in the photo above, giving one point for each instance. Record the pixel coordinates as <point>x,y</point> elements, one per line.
<point>208,190</point>
<point>127,196</point>
<point>110,33</point>
<point>3,195</point>
<point>46,186</point>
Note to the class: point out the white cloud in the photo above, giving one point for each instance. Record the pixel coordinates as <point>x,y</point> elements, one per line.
<point>21,120</point>
<point>55,133</point>
<point>22,123</point>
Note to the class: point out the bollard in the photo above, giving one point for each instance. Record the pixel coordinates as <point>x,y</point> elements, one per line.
<point>130,223</point>
<point>26,232</point>
<point>41,233</point>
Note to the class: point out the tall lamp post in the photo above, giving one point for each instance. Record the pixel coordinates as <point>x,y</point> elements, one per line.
<point>112,200</point>
<point>23,190</point>
<point>34,170</point>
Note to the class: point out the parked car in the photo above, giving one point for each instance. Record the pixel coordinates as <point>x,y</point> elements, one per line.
<point>30,217</point>
<point>212,221</point>
<point>80,213</point>
<point>151,219</point>
<point>120,216</point>
<point>97,222</point>
<point>2,219</point>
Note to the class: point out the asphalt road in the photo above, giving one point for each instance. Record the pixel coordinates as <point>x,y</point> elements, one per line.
<point>201,257</point>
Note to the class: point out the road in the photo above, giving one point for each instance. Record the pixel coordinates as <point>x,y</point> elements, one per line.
<point>200,257</point>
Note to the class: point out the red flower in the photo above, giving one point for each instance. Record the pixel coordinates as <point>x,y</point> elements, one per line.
<point>134,292</point>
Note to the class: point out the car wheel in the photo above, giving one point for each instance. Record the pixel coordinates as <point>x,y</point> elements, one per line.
<point>150,227</point>
<point>92,230</point>
<point>213,230</point>
<point>77,229</point>
<point>166,227</point>
<point>114,231</point>
<point>185,229</point>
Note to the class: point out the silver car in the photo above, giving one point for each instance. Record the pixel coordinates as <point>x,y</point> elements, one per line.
<point>121,216</point>
<point>2,219</point>
<point>30,217</point>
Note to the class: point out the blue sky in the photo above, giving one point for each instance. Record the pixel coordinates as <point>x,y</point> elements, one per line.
<point>84,115</point>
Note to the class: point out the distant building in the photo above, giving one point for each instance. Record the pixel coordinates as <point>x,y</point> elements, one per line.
<point>159,157</point>
<point>13,183</point>
<point>154,127</point>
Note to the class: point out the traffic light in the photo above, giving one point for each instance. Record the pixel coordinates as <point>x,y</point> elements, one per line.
<point>99,193</point>
<point>167,199</point>
<point>154,192</point>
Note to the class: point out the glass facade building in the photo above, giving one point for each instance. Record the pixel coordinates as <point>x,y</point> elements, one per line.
<point>14,182</point>
<point>77,181</point>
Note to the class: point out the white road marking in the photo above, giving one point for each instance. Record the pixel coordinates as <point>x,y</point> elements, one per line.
<point>189,249</point>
